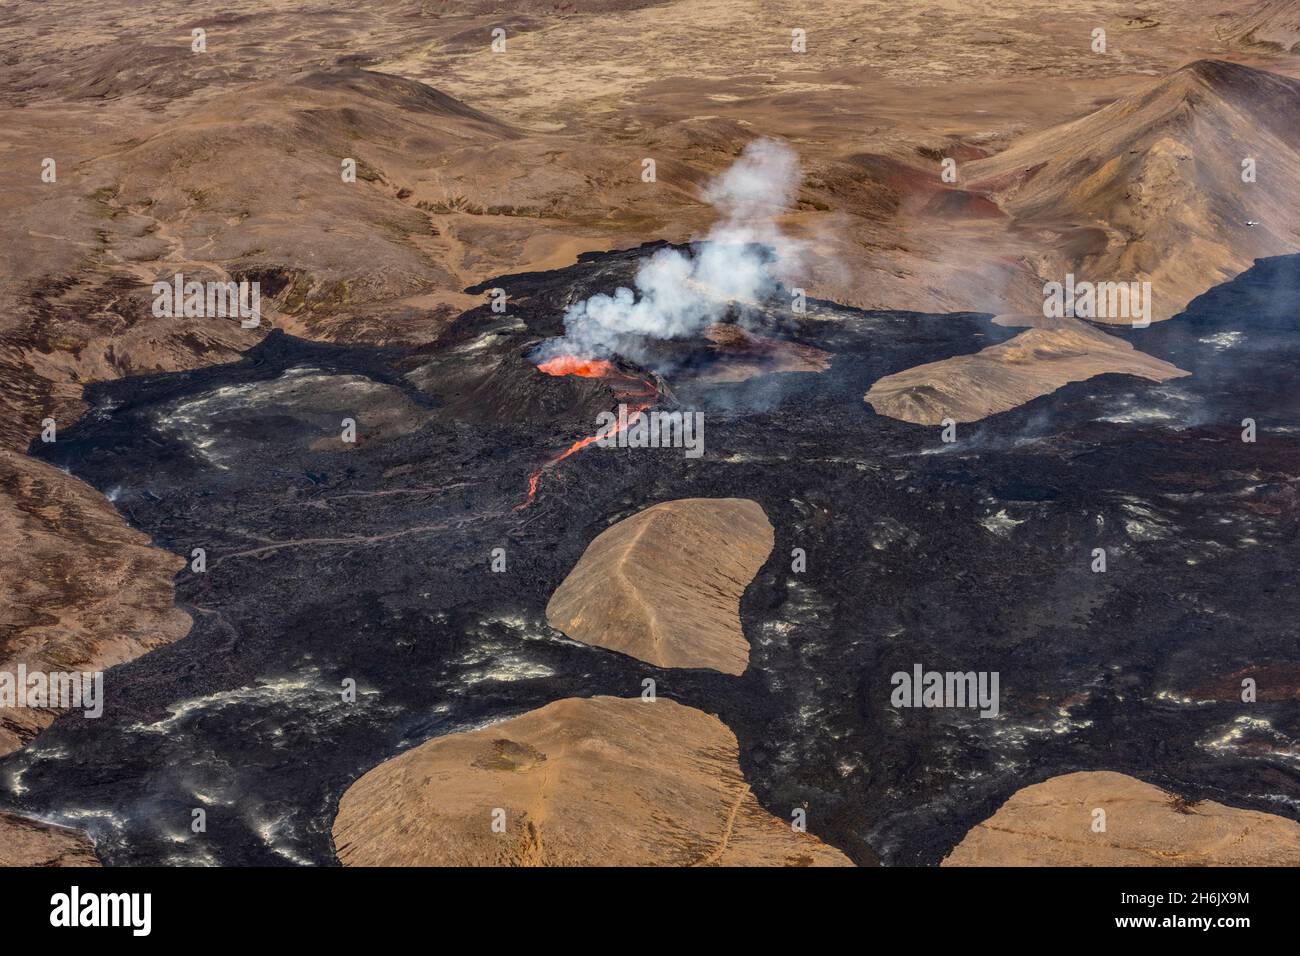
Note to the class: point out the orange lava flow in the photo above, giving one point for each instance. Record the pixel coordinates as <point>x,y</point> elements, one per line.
<point>638,404</point>
<point>575,365</point>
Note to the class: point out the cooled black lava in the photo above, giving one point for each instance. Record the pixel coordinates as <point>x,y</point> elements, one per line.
<point>373,564</point>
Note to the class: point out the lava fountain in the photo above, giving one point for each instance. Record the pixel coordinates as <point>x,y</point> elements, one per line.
<point>575,365</point>
<point>639,394</point>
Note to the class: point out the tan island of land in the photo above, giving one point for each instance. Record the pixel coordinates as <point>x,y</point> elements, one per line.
<point>1052,824</point>
<point>1036,362</point>
<point>664,585</point>
<point>599,781</point>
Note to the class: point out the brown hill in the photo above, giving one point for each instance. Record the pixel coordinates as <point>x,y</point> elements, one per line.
<point>1150,187</point>
<point>664,585</point>
<point>224,192</point>
<point>1036,362</point>
<point>26,842</point>
<point>582,782</point>
<point>1051,824</point>
<point>79,590</point>
<point>247,183</point>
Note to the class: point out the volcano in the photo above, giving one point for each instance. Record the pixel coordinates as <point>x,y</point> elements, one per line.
<point>650,452</point>
<point>973,555</point>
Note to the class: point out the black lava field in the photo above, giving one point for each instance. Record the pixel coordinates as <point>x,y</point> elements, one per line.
<point>328,561</point>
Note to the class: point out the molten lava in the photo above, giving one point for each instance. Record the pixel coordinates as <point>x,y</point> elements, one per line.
<point>639,397</point>
<point>576,365</point>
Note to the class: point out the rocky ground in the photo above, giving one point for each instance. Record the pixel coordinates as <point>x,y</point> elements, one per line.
<point>1056,823</point>
<point>972,555</point>
<point>664,586</point>
<point>577,782</point>
<point>479,169</point>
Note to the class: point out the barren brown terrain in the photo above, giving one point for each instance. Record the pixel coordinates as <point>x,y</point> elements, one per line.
<point>1053,824</point>
<point>28,843</point>
<point>79,589</point>
<point>665,584</point>
<point>967,388</point>
<point>600,781</point>
<point>474,163</point>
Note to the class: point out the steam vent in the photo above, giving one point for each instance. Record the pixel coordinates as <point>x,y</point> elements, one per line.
<point>619,434</point>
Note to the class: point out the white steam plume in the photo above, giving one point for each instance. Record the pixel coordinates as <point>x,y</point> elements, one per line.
<point>678,295</point>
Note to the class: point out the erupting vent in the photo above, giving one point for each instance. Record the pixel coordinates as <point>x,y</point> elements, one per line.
<point>637,393</point>
<point>576,365</point>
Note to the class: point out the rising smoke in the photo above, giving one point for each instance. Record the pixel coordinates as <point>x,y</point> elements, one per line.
<point>677,294</point>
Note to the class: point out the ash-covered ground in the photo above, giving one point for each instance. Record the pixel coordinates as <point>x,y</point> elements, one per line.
<point>327,561</point>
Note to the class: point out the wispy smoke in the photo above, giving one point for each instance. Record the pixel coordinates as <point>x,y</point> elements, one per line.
<point>678,295</point>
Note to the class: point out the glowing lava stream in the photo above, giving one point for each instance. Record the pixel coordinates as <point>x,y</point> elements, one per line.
<point>588,368</point>
<point>573,365</point>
